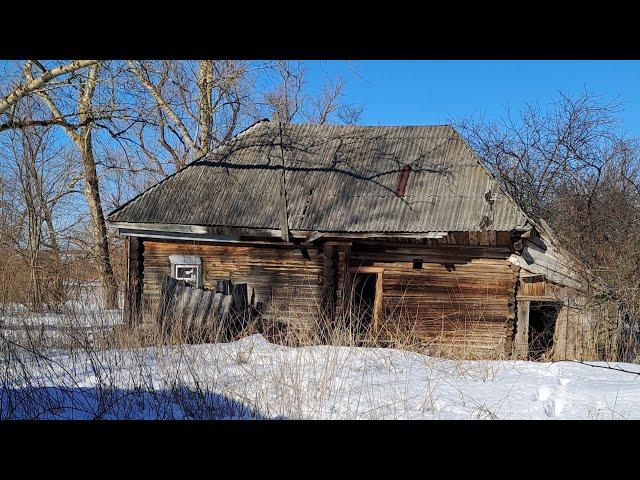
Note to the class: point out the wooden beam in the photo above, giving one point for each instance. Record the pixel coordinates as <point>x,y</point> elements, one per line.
<point>521,343</point>
<point>265,232</point>
<point>366,269</point>
<point>191,237</point>
<point>560,334</point>
<point>539,298</point>
<point>232,232</point>
<point>329,288</point>
<point>283,208</point>
<point>377,303</point>
<point>135,264</point>
<point>314,236</point>
<point>161,227</point>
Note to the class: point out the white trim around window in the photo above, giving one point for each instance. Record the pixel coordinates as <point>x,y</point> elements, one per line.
<point>187,268</point>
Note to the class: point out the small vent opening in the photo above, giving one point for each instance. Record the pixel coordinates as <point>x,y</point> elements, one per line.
<point>417,264</point>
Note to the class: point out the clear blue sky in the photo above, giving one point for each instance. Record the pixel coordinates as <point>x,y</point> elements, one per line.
<point>425,92</point>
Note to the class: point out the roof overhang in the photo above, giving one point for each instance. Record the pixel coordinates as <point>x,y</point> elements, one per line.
<point>241,234</point>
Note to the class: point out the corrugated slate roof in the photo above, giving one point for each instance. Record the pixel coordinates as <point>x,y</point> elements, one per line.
<point>338,179</point>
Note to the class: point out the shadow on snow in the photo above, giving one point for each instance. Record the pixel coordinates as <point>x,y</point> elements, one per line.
<point>94,403</point>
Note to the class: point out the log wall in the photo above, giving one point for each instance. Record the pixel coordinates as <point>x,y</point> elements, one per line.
<point>461,301</point>
<point>287,280</point>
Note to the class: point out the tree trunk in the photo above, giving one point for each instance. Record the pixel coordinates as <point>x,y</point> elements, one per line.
<point>45,212</point>
<point>34,260</point>
<point>205,80</point>
<point>83,141</point>
<point>99,228</point>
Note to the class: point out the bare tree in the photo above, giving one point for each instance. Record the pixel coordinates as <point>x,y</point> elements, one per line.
<point>81,136</point>
<point>537,151</point>
<point>34,84</point>
<point>573,165</point>
<point>330,101</point>
<point>32,163</point>
<point>134,122</point>
<point>195,105</point>
<point>287,96</point>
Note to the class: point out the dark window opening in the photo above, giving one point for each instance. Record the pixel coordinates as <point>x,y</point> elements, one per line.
<point>542,326</point>
<point>417,264</point>
<point>364,295</point>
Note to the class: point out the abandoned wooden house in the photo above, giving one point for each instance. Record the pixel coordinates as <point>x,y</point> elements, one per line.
<point>404,223</point>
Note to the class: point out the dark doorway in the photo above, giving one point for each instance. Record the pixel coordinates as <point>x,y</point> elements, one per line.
<point>542,326</point>
<point>364,295</point>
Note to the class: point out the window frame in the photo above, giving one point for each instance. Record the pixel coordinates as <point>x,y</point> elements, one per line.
<point>184,279</point>
<point>187,262</point>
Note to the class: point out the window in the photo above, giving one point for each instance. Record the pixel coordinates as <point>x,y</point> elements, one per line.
<point>188,273</point>
<point>187,268</point>
<point>417,264</point>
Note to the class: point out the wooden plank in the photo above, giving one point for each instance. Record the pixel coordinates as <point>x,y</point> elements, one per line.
<point>135,264</point>
<point>560,335</point>
<point>313,237</point>
<point>537,298</point>
<point>366,269</point>
<point>377,302</point>
<point>329,287</point>
<point>521,342</point>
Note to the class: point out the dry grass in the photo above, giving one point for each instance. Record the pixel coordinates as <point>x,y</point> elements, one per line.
<point>44,371</point>
<point>86,367</point>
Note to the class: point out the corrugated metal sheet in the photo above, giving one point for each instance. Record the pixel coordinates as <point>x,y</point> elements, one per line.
<point>338,179</point>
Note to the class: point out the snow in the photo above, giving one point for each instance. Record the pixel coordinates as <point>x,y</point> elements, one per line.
<point>85,303</point>
<point>252,378</point>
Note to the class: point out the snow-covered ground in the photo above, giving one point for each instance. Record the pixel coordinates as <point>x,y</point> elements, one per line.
<point>85,301</point>
<point>252,378</point>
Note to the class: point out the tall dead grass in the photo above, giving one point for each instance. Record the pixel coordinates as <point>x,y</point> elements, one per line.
<point>88,365</point>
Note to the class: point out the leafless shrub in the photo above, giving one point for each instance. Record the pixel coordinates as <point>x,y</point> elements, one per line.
<point>573,165</point>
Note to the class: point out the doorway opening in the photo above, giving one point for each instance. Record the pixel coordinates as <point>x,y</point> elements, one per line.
<point>364,296</point>
<point>542,326</point>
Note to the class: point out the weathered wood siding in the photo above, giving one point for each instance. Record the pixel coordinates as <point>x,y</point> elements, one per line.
<point>532,286</point>
<point>289,284</point>
<point>577,326</point>
<point>461,301</point>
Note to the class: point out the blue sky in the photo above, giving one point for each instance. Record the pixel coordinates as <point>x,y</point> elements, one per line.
<point>431,92</point>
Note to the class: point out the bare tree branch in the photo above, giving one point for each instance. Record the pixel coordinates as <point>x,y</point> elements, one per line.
<point>35,83</point>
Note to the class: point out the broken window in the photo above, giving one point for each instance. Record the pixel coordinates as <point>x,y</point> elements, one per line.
<point>187,268</point>
<point>188,273</point>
